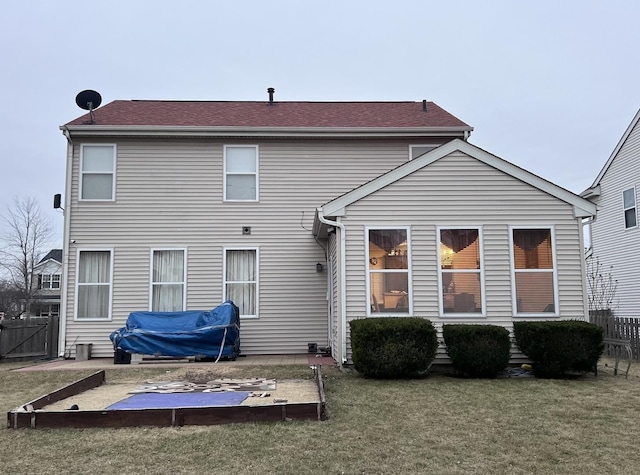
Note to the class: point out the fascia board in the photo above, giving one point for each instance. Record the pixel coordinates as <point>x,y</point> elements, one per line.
<point>613,155</point>
<point>582,207</point>
<point>164,131</point>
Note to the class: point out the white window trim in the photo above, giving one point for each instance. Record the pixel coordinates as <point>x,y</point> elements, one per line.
<point>624,210</point>
<point>184,274</point>
<point>368,273</point>
<point>113,172</point>
<point>411,147</point>
<point>50,286</point>
<point>257,173</point>
<point>75,302</point>
<point>514,296</point>
<point>483,285</point>
<point>257,281</point>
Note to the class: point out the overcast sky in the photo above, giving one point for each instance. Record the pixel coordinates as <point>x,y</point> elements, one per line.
<point>548,85</point>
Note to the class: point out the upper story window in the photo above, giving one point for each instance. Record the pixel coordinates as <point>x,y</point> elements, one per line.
<point>97,172</point>
<point>93,285</point>
<point>241,173</point>
<point>48,281</point>
<point>533,265</point>
<point>416,150</point>
<point>241,280</point>
<point>460,271</point>
<point>168,280</point>
<point>388,271</point>
<point>629,203</point>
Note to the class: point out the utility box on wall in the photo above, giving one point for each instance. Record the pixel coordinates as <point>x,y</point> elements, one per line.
<point>83,351</point>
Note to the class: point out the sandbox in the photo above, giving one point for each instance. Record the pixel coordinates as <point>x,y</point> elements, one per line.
<point>92,402</point>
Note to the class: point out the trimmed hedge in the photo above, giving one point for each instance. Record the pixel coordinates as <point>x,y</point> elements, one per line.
<point>560,346</point>
<point>479,351</point>
<point>393,347</point>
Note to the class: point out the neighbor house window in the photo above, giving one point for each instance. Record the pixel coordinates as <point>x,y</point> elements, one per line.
<point>534,271</point>
<point>241,280</point>
<point>629,200</point>
<point>168,280</point>
<point>97,172</point>
<point>48,281</point>
<point>47,310</point>
<point>460,271</point>
<point>388,271</point>
<point>241,173</point>
<point>93,291</point>
<point>416,150</point>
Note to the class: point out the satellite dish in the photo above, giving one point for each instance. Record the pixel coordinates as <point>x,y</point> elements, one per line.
<point>89,100</point>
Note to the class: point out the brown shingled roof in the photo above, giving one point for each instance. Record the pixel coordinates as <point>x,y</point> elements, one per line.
<point>280,114</point>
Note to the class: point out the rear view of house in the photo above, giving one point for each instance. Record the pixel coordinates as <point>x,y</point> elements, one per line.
<point>307,215</point>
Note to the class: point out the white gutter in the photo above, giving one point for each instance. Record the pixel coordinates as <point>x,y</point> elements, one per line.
<point>343,281</point>
<point>65,248</point>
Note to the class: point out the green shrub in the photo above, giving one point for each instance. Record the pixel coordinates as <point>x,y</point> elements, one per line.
<point>560,346</point>
<point>393,347</point>
<point>479,351</point>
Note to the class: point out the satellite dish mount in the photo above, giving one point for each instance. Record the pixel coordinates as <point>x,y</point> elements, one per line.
<point>89,100</point>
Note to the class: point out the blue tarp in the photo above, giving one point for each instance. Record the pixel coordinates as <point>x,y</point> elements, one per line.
<point>199,333</point>
<point>170,401</point>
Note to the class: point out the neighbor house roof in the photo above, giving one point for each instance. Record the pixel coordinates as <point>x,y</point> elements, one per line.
<point>594,189</point>
<point>253,114</point>
<point>53,254</point>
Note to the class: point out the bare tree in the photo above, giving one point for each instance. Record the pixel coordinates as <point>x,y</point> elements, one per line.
<point>602,286</point>
<point>25,234</point>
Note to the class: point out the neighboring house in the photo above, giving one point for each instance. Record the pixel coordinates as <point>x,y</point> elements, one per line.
<point>307,215</point>
<point>47,276</point>
<point>615,235</point>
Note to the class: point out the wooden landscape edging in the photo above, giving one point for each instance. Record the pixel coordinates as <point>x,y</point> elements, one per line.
<point>29,415</point>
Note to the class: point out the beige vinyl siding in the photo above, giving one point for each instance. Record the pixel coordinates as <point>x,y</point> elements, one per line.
<point>461,191</point>
<point>169,194</point>
<point>617,248</point>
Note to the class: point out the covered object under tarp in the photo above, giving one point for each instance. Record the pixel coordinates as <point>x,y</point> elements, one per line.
<point>195,333</point>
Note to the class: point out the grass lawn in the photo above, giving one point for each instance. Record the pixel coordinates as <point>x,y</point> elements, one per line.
<point>439,424</point>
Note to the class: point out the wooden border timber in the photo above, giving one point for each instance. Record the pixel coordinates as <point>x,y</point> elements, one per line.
<point>31,416</point>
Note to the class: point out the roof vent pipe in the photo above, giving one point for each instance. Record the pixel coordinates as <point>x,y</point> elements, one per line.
<point>424,105</point>
<point>271,91</point>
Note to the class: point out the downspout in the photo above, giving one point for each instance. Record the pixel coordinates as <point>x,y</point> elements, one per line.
<point>62,340</point>
<point>343,282</point>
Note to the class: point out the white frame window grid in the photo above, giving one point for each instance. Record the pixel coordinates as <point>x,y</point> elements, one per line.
<point>111,172</point>
<point>227,173</point>
<point>431,146</point>
<point>50,280</point>
<point>184,274</point>
<point>78,284</point>
<point>627,208</point>
<point>554,270</point>
<point>369,271</point>
<point>479,271</point>
<point>256,282</point>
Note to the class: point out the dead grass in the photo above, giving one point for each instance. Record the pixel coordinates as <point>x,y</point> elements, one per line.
<point>439,424</point>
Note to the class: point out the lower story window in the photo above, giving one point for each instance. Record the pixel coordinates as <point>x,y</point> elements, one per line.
<point>47,310</point>
<point>168,280</point>
<point>388,268</point>
<point>94,285</point>
<point>241,280</point>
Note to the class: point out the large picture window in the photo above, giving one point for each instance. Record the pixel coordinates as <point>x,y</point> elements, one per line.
<point>534,271</point>
<point>93,295</point>
<point>460,271</point>
<point>629,203</point>
<point>388,271</point>
<point>168,280</point>
<point>97,172</point>
<point>241,280</point>
<point>241,173</point>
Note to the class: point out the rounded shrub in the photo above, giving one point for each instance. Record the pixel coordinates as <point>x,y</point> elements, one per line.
<point>560,346</point>
<point>393,347</point>
<point>479,351</point>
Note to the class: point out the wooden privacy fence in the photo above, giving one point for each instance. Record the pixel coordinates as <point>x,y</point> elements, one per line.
<point>29,339</point>
<point>622,328</point>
